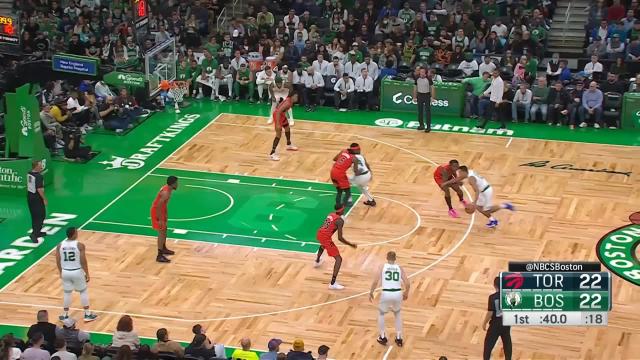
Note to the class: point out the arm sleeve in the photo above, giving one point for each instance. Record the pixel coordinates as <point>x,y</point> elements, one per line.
<point>336,87</point>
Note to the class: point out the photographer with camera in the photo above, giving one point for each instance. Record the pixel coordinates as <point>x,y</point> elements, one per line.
<point>73,150</point>
<point>114,117</point>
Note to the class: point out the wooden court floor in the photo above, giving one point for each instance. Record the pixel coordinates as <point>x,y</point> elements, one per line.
<point>240,292</point>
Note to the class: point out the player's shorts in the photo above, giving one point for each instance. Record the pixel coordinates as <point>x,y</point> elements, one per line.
<point>280,120</point>
<point>439,180</point>
<point>73,280</point>
<point>330,247</point>
<point>361,180</point>
<point>155,224</point>
<point>485,199</point>
<point>340,180</point>
<point>390,301</point>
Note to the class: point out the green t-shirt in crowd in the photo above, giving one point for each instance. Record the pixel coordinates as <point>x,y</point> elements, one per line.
<point>538,34</point>
<point>209,65</point>
<point>532,67</point>
<point>407,16</point>
<point>213,49</point>
<point>478,83</point>
<point>183,73</point>
<point>490,10</point>
<point>244,74</point>
<point>303,65</point>
<point>424,55</point>
<point>542,93</point>
<point>433,28</point>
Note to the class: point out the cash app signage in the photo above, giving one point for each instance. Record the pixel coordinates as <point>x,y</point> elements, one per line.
<point>398,96</point>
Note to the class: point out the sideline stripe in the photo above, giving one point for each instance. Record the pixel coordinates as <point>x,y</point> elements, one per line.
<point>116,198</point>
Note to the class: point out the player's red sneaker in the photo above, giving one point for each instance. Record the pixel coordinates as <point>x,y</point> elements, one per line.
<point>453,213</point>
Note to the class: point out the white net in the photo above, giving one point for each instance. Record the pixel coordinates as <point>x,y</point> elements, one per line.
<point>178,90</point>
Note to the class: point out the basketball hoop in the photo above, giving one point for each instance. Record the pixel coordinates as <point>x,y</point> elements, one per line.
<point>178,90</point>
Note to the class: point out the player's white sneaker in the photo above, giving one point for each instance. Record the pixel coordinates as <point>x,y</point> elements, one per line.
<point>291,122</point>
<point>336,286</point>
<point>316,264</point>
<point>270,121</point>
<point>292,147</point>
<point>274,157</point>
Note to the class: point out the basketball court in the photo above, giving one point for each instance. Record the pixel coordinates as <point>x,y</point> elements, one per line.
<point>243,229</point>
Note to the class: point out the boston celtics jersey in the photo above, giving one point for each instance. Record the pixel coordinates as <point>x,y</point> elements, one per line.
<point>132,52</point>
<point>70,255</point>
<point>391,277</point>
<point>227,48</point>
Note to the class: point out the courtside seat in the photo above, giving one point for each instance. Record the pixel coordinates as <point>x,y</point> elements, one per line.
<point>611,108</point>
<point>329,83</point>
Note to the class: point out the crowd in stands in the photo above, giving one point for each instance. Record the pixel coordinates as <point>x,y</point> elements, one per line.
<point>330,53</point>
<point>48,341</point>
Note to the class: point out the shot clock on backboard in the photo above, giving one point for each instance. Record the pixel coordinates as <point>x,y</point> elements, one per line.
<point>555,294</point>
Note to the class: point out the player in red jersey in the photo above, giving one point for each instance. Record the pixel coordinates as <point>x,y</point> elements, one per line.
<point>280,121</point>
<point>342,162</point>
<point>331,224</point>
<point>445,177</point>
<point>159,217</point>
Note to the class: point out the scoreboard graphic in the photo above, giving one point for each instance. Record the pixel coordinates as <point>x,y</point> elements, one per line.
<point>555,294</point>
<point>9,30</point>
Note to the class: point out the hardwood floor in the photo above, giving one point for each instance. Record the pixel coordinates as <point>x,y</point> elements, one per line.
<point>238,292</point>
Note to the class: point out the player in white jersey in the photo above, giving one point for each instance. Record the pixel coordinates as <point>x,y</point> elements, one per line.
<point>483,195</point>
<point>223,76</point>
<point>74,272</point>
<point>392,277</point>
<point>361,178</point>
<point>279,91</point>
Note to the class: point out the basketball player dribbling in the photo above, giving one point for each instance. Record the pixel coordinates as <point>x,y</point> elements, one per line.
<point>279,91</point>
<point>280,121</point>
<point>342,162</point>
<point>332,223</point>
<point>392,277</point>
<point>445,177</point>
<point>159,217</point>
<point>361,178</point>
<point>483,195</point>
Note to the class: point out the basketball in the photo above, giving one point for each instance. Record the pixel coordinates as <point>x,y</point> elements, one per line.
<point>164,85</point>
<point>470,208</point>
<point>635,217</point>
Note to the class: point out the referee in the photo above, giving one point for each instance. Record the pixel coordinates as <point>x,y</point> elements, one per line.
<point>496,329</point>
<point>36,200</point>
<point>422,92</point>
